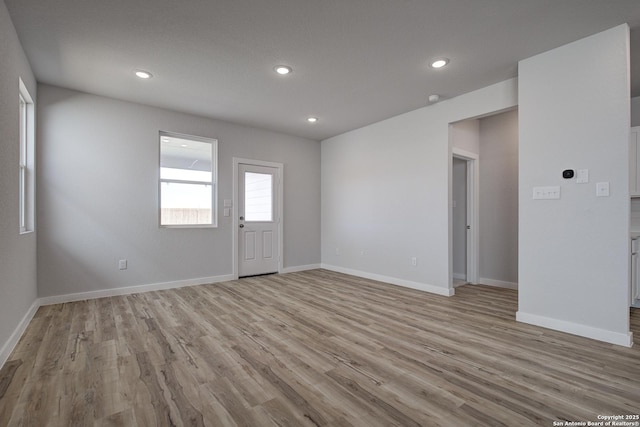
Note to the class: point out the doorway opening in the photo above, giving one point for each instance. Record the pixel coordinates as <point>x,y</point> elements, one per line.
<point>483,213</point>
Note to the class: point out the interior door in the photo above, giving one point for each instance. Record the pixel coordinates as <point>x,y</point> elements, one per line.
<point>459,220</point>
<point>259,220</point>
<point>635,291</point>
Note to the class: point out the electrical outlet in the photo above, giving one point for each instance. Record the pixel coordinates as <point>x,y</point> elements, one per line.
<point>122,264</point>
<point>414,261</point>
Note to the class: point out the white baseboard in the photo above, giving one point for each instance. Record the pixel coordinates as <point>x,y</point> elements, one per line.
<point>447,292</point>
<point>618,338</point>
<point>498,283</point>
<point>80,296</point>
<point>8,346</point>
<point>298,268</point>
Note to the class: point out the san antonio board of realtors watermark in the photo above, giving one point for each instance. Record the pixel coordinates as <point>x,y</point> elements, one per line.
<point>632,420</point>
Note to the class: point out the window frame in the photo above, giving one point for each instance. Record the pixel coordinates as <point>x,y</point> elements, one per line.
<point>213,183</point>
<point>26,162</point>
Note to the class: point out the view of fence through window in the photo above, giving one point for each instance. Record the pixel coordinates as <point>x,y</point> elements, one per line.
<point>187,181</point>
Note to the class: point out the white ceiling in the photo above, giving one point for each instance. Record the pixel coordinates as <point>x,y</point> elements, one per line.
<point>355,61</point>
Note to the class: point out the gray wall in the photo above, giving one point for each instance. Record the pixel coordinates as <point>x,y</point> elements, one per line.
<point>98,194</point>
<point>465,135</point>
<point>17,252</point>
<point>386,192</point>
<point>574,252</point>
<point>498,205</point>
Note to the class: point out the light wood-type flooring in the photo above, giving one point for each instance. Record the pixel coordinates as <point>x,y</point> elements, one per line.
<point>314,348</point>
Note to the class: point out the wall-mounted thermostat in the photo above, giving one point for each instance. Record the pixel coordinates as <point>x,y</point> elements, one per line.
<point>568,173</point>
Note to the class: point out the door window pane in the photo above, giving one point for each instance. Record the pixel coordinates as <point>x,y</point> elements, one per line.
<point>258,197</point>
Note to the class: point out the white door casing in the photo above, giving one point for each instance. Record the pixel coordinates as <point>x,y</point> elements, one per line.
<point>257,219</point>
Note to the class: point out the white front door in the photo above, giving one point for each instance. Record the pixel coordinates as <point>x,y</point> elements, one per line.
<point>258,221</point>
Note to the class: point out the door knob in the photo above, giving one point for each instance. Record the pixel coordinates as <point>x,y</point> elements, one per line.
<point>241,218</point>
<point>241,225</point>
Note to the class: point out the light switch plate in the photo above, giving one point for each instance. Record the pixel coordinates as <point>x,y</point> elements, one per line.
<point>582,176</point>
<point>546,193</point>
<point>602,189</point>
<point>227,203</point>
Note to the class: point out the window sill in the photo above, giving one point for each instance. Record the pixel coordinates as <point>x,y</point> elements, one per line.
<point>189,226</point>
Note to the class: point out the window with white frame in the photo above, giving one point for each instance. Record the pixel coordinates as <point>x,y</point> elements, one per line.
<point>26,164</point>
<point>188,172</point>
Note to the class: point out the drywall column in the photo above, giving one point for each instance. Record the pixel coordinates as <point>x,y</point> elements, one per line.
<point>574,261</point>
<point>18,291</point>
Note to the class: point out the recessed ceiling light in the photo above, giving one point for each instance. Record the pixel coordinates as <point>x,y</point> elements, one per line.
<point>439,63</point>
<point>143,74</point>
<point>312,119</point>
<point>283,70</point>
<point>183,145</point>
